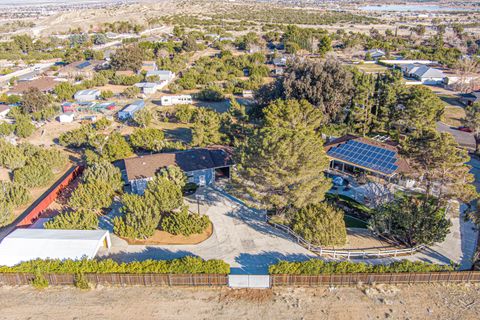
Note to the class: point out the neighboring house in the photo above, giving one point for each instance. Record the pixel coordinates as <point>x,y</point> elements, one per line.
<point>125,73</point>
<point>162,75</point>
<point>464,139</point>
<point>83,69</point>
<point>4,110</point>
<point>44,84</point>
<point>149,66</point>
<point>67,117</point>
<point>423,73</point>
<point>359,155</point>
<point>147,88</point>
<point>129,111</point>
<point>247,93</point>
<point>470,98</point>
<point>29,244</point>
<point>462,82</point>
<point>173,100</point>
<point>202,166</point>
<point>280,62</point>
<point>375,54</point>
<point>87,95</point>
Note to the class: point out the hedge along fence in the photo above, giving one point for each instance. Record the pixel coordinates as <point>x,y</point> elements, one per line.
<point>320,267</point>
<point>121,279</point>
<point>186,265</point>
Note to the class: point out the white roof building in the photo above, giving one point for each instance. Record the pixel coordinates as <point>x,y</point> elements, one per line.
<point>163,75</point>
<point>66,117</point>
<point>30,244</point>
<point>87,95</point>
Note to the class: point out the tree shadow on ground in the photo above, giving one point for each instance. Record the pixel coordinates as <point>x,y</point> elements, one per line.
<point>154,253</point>
<point>259,263</point>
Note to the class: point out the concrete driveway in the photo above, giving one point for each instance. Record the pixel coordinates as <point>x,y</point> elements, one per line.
<point>241,237</point>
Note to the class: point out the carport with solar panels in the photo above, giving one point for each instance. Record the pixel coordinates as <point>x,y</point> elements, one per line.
<point>355,156</point>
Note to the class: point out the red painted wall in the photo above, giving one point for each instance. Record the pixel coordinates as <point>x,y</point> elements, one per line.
<point>32,213</point>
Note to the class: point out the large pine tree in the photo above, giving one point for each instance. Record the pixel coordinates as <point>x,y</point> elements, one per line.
<point>282,165</point>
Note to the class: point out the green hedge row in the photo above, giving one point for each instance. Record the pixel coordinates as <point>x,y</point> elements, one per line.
<point>316,267</point>
<point>186,265</point>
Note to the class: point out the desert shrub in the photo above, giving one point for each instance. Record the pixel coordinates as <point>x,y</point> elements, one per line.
<point>106,172</point>
<point>317,266</point>
<point>33,176</point>
<point>320,224</point>
<point>11,157</point>
<point>81,281</point>
<point>94,195</point>
<point>185,113</point>
<point>6,213</point>
<point>185,223</point>
<point>184,265</point>
<point>39,281</point>
<point>82,219</point>
<point>14,194</point>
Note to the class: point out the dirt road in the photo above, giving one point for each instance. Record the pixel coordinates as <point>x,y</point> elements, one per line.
<point>363,302</point>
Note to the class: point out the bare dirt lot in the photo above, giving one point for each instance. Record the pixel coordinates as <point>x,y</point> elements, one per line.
<point>364,302</point>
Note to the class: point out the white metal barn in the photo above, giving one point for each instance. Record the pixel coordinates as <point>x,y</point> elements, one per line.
<point>66,117</point>
<point>30,244</point>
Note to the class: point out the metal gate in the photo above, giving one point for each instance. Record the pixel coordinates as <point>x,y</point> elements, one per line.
<point>248,281</point>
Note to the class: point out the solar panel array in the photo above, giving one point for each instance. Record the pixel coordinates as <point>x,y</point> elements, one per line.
<point>83,65</point>
<point>366,155</point>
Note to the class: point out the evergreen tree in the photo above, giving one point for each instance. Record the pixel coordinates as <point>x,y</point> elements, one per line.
<point>82,219</point>
<point>206,128</point>
<point>282,165</point>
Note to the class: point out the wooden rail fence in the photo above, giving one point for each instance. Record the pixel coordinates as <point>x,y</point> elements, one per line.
<point>370,278</point>
<point>122,279</point>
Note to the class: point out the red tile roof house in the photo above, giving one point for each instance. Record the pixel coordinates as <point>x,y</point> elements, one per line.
<point>202,166</point>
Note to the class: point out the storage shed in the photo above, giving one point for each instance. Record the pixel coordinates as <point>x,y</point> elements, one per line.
<point>129,111</point>
<point>87,95</point>
<point>30,244</point>
<point>66,117</point>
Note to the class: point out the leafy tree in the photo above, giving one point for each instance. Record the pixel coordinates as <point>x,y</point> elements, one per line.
<point>106,172</point>
<point>112,147</point>
<point>212,93</point>
<point>6,129</point>
<point>99,38</point>
<point>321,224</point>
<point>149,139</point>
<point>33,175</point>
<point>411,219</point>
<point>102,124</point>
<point>472,120</point>
<point>77,138</point>
<point>83,219</point>
<point>65,91</point>
<point>190,44</point>
<point>185,113</point>
<point>439,164</point>
<point>163,194</point>
<point>326,85</point>
<point>131,92</point>
<point>33,100</point>
<point>106,94</point>
<point>11,157</point>
<point>54,158</point>
<point>174,174</point>
<point>361,112</point>
<point>129,57</point>
<point>94,195</point>
<point>184,223</point>
<point>24,127</point>
<point>6,213</point>
<point>139,220</point>
<point>282,164</point>
<point>14,194</point>
<point>422,108</point>
<point>143,118</point>
<point>206,128</point>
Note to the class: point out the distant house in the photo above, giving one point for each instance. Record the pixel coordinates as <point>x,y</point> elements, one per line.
<point>280,62</point>
<point>470,98</point>
<point>87,95</point>
<point>375,54</point>
<point>4,110</point>
<point>359,155</point>
<point>247,93</point>
<point>202,166</point>
<point>129,111</point>
<point>423,73</point>
<point>462,82</point>
<point>173,100</point>
<point>148,88</point>
<point>149,66</point>
<point>84,69</point>
<point>67,117</point>
<point>44,84</point>
<point>162,75</point>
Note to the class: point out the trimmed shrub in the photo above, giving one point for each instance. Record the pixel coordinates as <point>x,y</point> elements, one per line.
<point>185,223</point>
<point>83,219</point>
<point>33,176</point>
<point>317,266</point>
<point>183,265</point>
